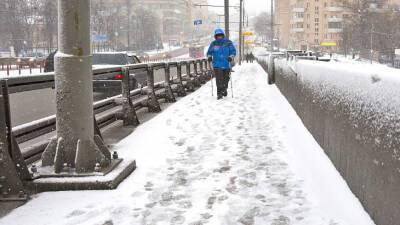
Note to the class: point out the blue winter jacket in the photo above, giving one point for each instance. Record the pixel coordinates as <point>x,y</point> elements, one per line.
<point>220,51</point>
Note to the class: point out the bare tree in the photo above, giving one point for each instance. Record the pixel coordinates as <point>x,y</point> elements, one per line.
<point>262,25</point>
<point>49,13</point>
<point>371,26</point>
<point>147,33</point>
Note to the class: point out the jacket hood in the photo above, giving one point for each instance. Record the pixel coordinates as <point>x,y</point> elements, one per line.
<point>219,31</point>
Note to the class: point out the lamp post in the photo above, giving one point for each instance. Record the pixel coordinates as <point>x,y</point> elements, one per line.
<point>240,33</point>
<point>272,26</point>
<point>226,9</point>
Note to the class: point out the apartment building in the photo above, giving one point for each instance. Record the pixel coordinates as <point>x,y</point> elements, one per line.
<point>314,24</point>
<point>173,14</point>
<point>310,24</point>
<point>282,22</point>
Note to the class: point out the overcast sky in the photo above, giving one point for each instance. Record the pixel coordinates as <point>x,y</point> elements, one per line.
<point>254,7</point>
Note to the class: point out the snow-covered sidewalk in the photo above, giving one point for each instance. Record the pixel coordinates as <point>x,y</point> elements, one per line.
<point>243,160</point>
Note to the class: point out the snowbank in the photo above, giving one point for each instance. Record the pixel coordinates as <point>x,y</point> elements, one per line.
<point>352,110</point>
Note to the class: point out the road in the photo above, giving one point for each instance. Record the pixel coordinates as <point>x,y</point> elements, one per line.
<point>32,105</point>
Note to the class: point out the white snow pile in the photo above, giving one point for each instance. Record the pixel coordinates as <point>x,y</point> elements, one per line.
<point>242,160</point>
<point>367,93</point>
<point>15,73</point>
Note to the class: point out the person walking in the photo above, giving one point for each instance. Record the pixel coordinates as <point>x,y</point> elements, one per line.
<point>251,57</point>
<point>221,53</point>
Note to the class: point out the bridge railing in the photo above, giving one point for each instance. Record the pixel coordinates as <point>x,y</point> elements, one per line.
<point>353,113</point>
<point>188,75</point>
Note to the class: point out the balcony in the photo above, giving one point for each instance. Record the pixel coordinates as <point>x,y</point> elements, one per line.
<point>297,20</point>
<point>335,9</point>
<point>297,30</point>
<point>335,19</point>
<point>335,30</point>
<point>298,9</point>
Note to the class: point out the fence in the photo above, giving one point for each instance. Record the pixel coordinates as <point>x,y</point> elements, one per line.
<point>121,107</point>
<point>11,64</point>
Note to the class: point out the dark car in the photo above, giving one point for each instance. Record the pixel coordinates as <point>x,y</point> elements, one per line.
<point>113,59</point>
<point>49,62</point>
<point>110,59</point>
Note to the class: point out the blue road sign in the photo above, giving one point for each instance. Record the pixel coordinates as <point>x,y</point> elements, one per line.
<point>197,22</point>
<point>100,38</point>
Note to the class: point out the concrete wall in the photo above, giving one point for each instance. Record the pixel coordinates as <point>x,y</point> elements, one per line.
<point>355,117</point>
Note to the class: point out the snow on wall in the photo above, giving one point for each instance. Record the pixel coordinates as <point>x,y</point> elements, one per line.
<point>353,111</point>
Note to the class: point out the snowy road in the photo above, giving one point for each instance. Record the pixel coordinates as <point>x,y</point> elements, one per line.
<point>246,160</point>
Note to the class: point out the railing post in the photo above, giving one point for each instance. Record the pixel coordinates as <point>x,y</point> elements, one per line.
<point>11,186</point>
<point>152,104</point>
<point>190,80</point>
<point>169,94</point>
<point>129,114</point>
<point>189,74</point>
<point>181,89</point>
<point>271,70</point>
<point>196,77</point>
<point>203,77</point>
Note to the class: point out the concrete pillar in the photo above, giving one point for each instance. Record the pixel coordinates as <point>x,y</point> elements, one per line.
<point>75,147</point>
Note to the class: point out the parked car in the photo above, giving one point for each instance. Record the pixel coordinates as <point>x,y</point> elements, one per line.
<point>111,59</point>
<point>49,62</point>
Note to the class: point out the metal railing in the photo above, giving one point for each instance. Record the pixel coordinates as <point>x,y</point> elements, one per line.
<point>121,107</point>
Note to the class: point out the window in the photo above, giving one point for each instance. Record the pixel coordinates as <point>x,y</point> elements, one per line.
<point>299,15</point>
<point>334,25</point>
<point>316,20</point>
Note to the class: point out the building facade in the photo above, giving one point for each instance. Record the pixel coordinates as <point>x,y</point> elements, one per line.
<point>173,14</point>
<point>314,24</point>
<point>310,24</point>
<point>282,22</point>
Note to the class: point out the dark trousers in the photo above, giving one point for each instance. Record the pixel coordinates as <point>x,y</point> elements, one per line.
<point>222,77</point>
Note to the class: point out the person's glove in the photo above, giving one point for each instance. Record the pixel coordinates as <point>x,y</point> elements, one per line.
<point>230,59</point>
<point>209,59</point>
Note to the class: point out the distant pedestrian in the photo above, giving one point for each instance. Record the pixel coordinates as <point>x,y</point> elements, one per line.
<point>251,57</point>
<point>221,53</point>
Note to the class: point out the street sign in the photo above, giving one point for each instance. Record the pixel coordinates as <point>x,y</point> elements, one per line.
<point>328,44</point>
<point>100,38</point>
<point>247,33</point>
<point>397,51</point>
<point>197,22</point>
